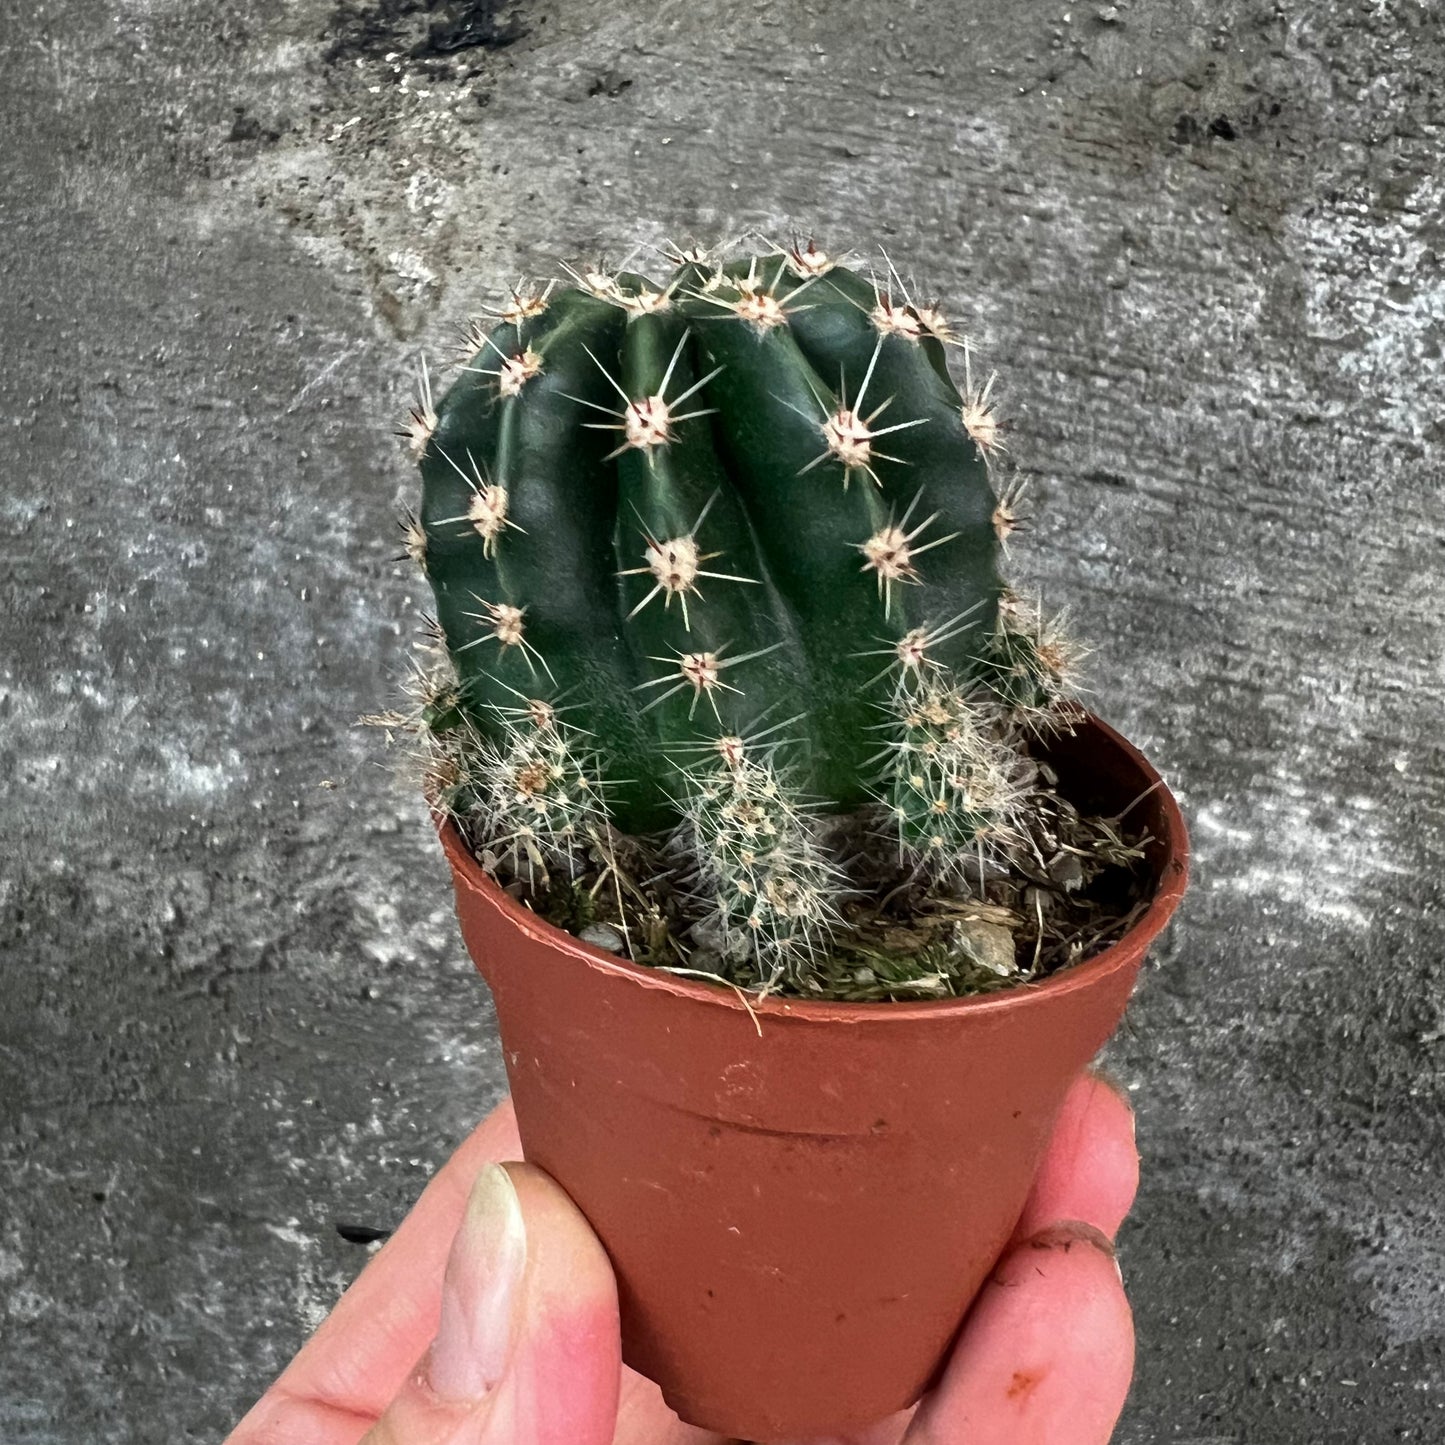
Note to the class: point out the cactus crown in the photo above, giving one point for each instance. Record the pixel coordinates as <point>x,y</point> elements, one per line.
<point>718,561</point>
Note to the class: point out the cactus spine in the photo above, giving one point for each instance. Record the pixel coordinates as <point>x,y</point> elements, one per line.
<point>659,517</point>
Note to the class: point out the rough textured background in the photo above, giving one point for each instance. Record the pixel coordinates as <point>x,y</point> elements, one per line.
<point>1203,243</point>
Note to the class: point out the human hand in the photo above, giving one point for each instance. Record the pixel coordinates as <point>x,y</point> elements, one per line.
<point>490,1318</point>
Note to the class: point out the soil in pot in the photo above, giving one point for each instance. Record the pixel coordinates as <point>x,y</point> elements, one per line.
<point>1077,880</point>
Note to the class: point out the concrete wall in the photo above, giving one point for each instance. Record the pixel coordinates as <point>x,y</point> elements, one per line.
<point>1203,245</point>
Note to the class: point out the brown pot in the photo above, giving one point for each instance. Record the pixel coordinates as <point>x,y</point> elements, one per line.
<point>800,1199</point>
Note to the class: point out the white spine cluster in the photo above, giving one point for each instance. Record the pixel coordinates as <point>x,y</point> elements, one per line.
<point>531,794</point>
<point>759,864</point>
<point>952,792</point>
<point>538,796</point>
<point>1035,663</point>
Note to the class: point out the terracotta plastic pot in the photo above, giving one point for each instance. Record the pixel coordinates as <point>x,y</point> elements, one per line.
<point>800,1199</point>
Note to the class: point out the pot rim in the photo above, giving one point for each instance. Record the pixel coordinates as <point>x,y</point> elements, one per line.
<point>1173,874</point>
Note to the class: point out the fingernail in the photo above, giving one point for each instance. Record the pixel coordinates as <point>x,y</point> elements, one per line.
<point>481,1292</point>
<point>1069,1232</point>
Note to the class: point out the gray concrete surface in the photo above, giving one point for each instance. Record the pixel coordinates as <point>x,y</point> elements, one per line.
<point>1203,244</point>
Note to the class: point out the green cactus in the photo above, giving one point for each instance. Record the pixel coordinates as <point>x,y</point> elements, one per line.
<point>658,520</point>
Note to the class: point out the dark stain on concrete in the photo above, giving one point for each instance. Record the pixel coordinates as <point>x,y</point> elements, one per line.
<point>422,29</point>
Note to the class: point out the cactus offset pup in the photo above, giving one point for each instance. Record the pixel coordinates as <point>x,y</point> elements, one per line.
<point>728,662</point>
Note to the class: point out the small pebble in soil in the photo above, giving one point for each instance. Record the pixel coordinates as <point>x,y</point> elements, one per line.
<point>989,945</point>
<point>600,935</point>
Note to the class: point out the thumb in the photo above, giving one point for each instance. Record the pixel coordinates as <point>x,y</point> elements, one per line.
<point>528,1345</point>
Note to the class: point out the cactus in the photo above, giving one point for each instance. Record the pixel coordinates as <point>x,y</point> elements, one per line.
<point>657,519</point>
